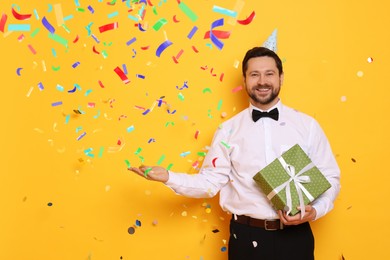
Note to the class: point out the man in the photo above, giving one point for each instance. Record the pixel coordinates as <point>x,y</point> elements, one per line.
<point>241,147</point>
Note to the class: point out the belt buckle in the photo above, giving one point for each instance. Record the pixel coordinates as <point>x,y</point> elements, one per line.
<point>271,229</point>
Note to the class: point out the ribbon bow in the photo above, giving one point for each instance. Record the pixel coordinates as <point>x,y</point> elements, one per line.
<point>298,180</point>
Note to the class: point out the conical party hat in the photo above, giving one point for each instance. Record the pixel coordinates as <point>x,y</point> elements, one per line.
<point>270,43</point>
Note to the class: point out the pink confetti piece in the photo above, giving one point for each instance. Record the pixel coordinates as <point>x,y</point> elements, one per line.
<point>32,49</point>
<point>3,21</point>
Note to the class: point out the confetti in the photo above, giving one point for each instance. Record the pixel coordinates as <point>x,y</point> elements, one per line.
<point>20,16</point>
<point>213,38</point>
<point>224,11</point>
<point>18,70</point>
<point>160,23</point>
<point>3,21</point>
<point>121,75</point>
<point>19,27</point>
<point>187,11</point>
<point>162,47</point>
<point>247,20</point>
<point>192,32</point>
<point>108,27</point>
<point>47,25</point>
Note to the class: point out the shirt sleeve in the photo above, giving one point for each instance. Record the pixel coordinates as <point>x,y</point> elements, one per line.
<point>321,154</point>
<point>214,173</point>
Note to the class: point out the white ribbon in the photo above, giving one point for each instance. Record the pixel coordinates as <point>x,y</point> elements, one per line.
<point>298,180</point>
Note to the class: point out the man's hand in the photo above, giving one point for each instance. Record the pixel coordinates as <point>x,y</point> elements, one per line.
<point>310,214</point>
<point>153,173</point>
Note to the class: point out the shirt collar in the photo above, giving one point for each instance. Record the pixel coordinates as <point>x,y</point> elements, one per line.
<point>277,105</point>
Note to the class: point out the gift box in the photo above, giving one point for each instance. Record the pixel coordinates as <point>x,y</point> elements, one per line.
<point>291,180</point>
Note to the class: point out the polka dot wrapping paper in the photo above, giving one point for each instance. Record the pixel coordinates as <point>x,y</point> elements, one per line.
<point>272,177</point>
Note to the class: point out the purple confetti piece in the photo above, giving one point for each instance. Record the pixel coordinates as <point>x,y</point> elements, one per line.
<point>81,136</point>
<point>192,32</point>
<point>47,25</point>
<point>124,68</point>
<point>90,8</point>
<point>54,104</point>
<point>162,47</point>
<point>213,38</point>
<point>76,64</point>
<point>131,41</point>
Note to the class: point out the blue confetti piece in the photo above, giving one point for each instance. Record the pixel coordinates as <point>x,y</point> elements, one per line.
<point>162,47</point>
<point>54,104</point>
<point>192,32</point>
<point>47,25</point>
<point>131,41</point>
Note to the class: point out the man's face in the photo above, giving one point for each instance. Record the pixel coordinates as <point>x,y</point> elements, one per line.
<point>262,82</point>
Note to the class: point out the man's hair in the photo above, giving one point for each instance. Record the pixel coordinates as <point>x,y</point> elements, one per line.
<point>261,52</point>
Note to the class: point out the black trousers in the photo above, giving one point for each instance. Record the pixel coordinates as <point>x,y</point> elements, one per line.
<point>253,243</point>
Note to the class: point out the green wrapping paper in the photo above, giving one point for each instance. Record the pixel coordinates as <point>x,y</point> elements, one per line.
<point>291,180</point>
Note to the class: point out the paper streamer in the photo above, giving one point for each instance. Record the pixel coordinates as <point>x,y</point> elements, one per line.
<point>3,22</point>
<point>192,32</point>
<point>47,25</point>
<point>160,23</point>
<point>19,27</point>
<point>131,41</point>
<point>219,44</point>
<point>58,39</point>
<point>108,27</point>
<point>162,47</point>
<point>20,16</point>
<point>247,20</point>
<point>59,15</point>
<point>187,11</point>
<point>218,34</point>
<point>121,75</point>
<point>224,11</point>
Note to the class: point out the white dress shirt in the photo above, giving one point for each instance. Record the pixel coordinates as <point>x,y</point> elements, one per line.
<point>242,147</point>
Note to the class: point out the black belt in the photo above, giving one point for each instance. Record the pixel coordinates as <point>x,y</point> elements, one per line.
<point>267,224</point>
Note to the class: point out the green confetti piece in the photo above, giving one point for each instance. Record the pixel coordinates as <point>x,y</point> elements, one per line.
<point>193,17</point>
<point>202,153</point>
<point>127,163</point>
<point>161,159</point>
<point>138,151</point>
<point>56,68</point>
<point>65,28</point>
<point>79,9</point>
<point>35,32</point>
<point>154,10</point>
<point>160,23</point>
<point>206,90</point>
<point>101,152</point>
<point>180,96</point>
<point>225,144</point>
<point>58,39</point>
<point>169,123</point>
<point>147,171</point>
<point>219,105</point>
<point>104,53</point>
<point>169,166</point>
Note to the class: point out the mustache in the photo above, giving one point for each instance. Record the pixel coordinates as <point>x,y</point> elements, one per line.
<point>263,86</point>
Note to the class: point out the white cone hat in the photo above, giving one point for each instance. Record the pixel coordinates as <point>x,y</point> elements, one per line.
<point>270,43</point>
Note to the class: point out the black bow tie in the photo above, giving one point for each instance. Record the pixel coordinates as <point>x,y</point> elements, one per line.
<point>256,114</point>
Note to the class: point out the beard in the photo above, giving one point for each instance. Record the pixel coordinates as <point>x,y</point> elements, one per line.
<point>264,100</point>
